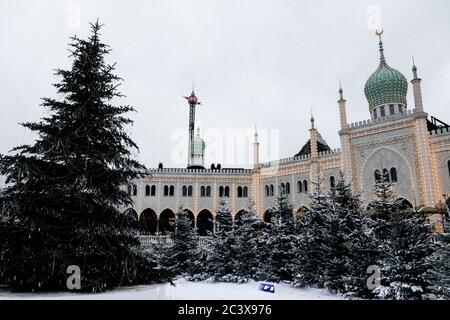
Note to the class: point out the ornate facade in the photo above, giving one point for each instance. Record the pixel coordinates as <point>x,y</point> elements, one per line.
<point>400,142</point>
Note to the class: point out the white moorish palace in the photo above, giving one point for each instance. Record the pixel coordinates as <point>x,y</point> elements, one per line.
<point>400,142</point>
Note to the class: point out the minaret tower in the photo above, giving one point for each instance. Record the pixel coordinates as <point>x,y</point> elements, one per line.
<point>417,90</point>
<point>256,151</point>
<point>344,136</point>
<point>193,102</point>
<point>314,170</point>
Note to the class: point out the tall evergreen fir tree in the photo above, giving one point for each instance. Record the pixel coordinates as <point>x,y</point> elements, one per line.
<point>245,262</point>
<point>313,239</point>
<point>405,246</point>
<point>281,242</point>
<point>440,260</point>
<point>382,207</point>
<point>181,255</point>
<point>221,256</point>
<point>405,259</point>
<point>63,192</point>
<point>352,246</point>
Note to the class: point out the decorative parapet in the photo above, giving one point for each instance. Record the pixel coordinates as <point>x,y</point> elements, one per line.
<point>440,132</point>
<point>199,171</point>
<point>366,123</point>
<point>306,157</point>
<point>330,153</point>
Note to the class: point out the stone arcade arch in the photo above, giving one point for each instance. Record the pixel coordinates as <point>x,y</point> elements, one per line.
<point>299,214</point>
<point>205,222</point>
<point>166,221</point>
<point>191,217</point>
<point>238,215</point>
<point>148,221</point>
<point>130,218</point>
<point>405,204</point>
<point>268,216</point>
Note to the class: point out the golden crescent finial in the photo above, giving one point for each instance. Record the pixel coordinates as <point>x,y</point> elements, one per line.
<point>379,32</point>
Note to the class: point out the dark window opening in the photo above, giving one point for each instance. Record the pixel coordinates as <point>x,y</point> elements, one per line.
<point>377,176</point>
<point>386,175</point>
<point>299,187</point>
<point>391,109</point>
<point>394,175</point>
<point>245,192</point>
<point>332,182</point>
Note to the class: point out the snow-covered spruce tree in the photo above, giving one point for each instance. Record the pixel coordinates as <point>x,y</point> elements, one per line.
<point>405,247</point>
<point>182,254</point>
<point>281,243</point>
<point>220,260</point>
<point>63,192</point>
<point>246,244</point>
<point>406,258</point>
<point>313,240</point>
<point>351,246</point>
<point>382,207</point>
<point>439,275</point>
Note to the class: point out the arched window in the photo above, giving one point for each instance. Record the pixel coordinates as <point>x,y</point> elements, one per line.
<point>382,112</point>
<point>271,190</point>
<point>394,175</point>
<point>171,191</point>
<point>391,109</point>
<point>147,190</point>
<point>189,191</point>
<point>299,187</point>
<point>166,191</point>
<point>267,190</point>
<point>377,175</point>
<point>448,165</point>
<point>202,191</point>
<point>227,191</point>
<point>283,188</point>
<point>245,192</point>
<point>288,188</point>
<point>239,192</point>
<point>386,175</point>
<point>134,190</point>
<point>208,191</point>
<point>305,186</point>
<point>153,191</point>
<point>184,191</point>
<point>332,182</point>
<point>221,193</point>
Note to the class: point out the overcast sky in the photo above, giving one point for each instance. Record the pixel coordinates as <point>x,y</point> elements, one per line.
<point>253,62</point>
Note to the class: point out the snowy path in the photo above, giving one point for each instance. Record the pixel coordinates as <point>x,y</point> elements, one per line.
<point>186,290</point>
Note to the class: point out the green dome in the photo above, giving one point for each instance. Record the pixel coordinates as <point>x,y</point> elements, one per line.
<point>386,85</point>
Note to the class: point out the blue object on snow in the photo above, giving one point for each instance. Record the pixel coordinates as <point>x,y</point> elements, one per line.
<point>267,287</point>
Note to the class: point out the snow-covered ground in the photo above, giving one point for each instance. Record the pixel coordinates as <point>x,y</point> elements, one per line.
<point>186,290</point>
